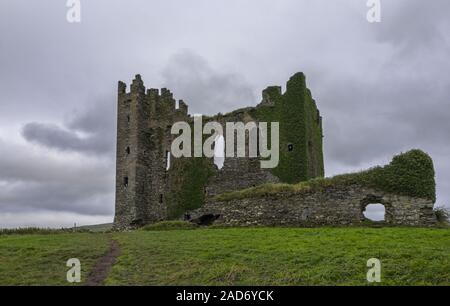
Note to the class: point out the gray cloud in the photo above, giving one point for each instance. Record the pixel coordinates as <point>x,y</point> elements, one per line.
<point>205,89</point>
<point>386,121</point>
<point>410,25</point>
<point>35,179</point>
<point>91,131</point>
<point>54,136</point>
<point>81,198</point>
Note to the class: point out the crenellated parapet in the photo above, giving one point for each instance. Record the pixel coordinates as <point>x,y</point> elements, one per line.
<point>158,104</point>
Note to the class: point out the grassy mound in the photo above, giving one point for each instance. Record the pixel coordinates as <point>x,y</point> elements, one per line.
<point>169,225</point>
<point>410,174</point>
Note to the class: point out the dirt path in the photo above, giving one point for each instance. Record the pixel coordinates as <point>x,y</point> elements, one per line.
<point>101,269</point>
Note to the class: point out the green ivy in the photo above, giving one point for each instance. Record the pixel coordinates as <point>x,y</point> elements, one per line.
<point>296,112</point>
<point>411,174</point>
<point>188,191</point>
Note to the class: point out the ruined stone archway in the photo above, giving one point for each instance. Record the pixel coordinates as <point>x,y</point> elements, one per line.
<point>375,212</point>
<point>374,199</point>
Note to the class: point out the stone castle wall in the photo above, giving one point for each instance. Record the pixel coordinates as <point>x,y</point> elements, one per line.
<point>147,192</point>
<point>330,206</point>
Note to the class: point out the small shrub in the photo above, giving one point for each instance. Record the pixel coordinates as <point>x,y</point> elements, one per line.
<point>170,225</point>
<point>442,214</point>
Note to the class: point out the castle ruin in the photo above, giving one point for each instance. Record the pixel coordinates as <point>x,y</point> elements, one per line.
<point>148,191</point>
<point>152,185</point>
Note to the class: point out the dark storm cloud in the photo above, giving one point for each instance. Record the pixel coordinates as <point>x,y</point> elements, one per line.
<point>97,124</point>
<point>206,90</point>
<point>54,136</point>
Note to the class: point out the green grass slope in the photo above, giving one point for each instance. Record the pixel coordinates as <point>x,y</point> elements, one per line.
<point>282,256</point>
<point>41,259</point>
<point>231,256</point>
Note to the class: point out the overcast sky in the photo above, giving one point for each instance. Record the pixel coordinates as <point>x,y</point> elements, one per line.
<point>382,88</point>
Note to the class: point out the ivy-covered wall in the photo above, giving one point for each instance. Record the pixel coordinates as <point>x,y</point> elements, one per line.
<point>406,188</point>
<point>409,174</point>
<point>301,156</point>
<point>301,150</point>
<point>186,186</point>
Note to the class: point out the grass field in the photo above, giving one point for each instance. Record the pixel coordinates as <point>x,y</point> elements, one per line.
<point>252,256</point>
<point>41,259</point>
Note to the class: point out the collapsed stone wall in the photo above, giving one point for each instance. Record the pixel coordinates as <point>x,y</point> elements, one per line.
<point>329,206</point>
<point>406,187</point>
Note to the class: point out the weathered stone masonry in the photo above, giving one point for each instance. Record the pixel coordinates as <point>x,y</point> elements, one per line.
<point>405,187</point>
<point>331,206</point>
<point>147,192</point>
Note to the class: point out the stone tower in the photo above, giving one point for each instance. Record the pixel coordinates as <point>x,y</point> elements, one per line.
<point>148,190</point>
<point>144,119</point>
